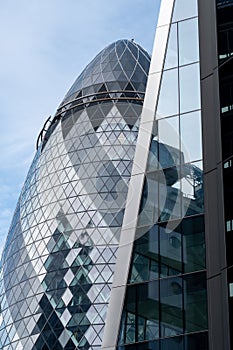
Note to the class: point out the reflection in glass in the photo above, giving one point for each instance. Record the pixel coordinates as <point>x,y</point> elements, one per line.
<point>191,138</point>
<point>168,131</point>
<point>171,307</point>
<point>189,88</point>
<point>161,302</point>
<point>161,155</point>
<point>164,308</point>
<point>184,9</point>
<point>148,213</point>
<point>170,251</point>
<point>168,99</point>
<point>170,197</point>
<point>171,60</point>
<point>192,189</point>
<point>196,341</point>
<point>141,313</point>
<point>152,162</point>
<point>193,244</point>
<point>175,190</point>
<point>145,261</point>
<point>188,41</point>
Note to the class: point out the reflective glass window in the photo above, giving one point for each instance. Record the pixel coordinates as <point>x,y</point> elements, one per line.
<point>175,343</point>
<point>161,33</point>
<point>171,60</point>
<point>189,88</point>
<point>193,244</point>
<point>168,132</point>
<point>149,202</point>
<point>192,188</point>
<point>145,263</point>
<point>170,250</point>
<point>152,162</point>
<point>188,41</point>
<point>171,307</point>
<point>170,195</point>
<point>191,138</point>
<point>168,99</point>
<point>184,9</point>
<point>141,313</point>
<point>195,302</point>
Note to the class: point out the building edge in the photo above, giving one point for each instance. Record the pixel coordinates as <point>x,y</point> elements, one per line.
<point>217,287</point>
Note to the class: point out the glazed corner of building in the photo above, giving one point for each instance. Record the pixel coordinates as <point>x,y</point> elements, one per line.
<point>203,59</point>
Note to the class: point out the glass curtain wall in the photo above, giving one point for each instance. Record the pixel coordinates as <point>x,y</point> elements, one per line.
<point>165,304</point>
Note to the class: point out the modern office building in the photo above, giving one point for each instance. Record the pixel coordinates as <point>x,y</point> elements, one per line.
<point>121,238</point>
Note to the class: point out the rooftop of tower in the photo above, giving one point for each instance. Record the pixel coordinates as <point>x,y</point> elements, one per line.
<point>119,71</point>
<point>122,65</point>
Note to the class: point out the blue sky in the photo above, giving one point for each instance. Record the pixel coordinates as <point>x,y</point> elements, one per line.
<point>45,44</point>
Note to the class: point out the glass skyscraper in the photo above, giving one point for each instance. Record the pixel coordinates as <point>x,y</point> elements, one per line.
<point>121,238</point>
<point>60,252</point>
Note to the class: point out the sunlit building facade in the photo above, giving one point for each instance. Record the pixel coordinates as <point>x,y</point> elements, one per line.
<point>121,238</point>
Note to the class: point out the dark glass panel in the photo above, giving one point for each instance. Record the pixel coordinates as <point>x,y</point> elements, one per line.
<point>176,343</point>
<point>193,244</point>
<point>171,307</point>
<point>197,341</point>
<point>227,128</point>
<point>145,265</point>
<point>139,76</point>
<point>195,302</point>
<point>143,60</point>
<point>224,2</point>
<point>228,201</point>
<point>148,213</point>
<point>170,250</point>
<point>230,286</point>
<point>169,201</point>
<point>152,162</point>
<point>152,345</point>
<point>133,50</point>
<point>141,313</point>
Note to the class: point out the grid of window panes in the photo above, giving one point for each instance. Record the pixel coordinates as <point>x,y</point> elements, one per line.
<point>59,257</point>
<point>166,301</point>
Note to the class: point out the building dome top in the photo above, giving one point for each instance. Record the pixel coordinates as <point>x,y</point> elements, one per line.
<point>123,65</point>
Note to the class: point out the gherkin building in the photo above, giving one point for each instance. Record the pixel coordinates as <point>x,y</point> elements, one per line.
<point>122,235</point>
<point>59,256</point>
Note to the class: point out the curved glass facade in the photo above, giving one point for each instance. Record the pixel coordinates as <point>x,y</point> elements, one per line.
<point>59,257</point>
